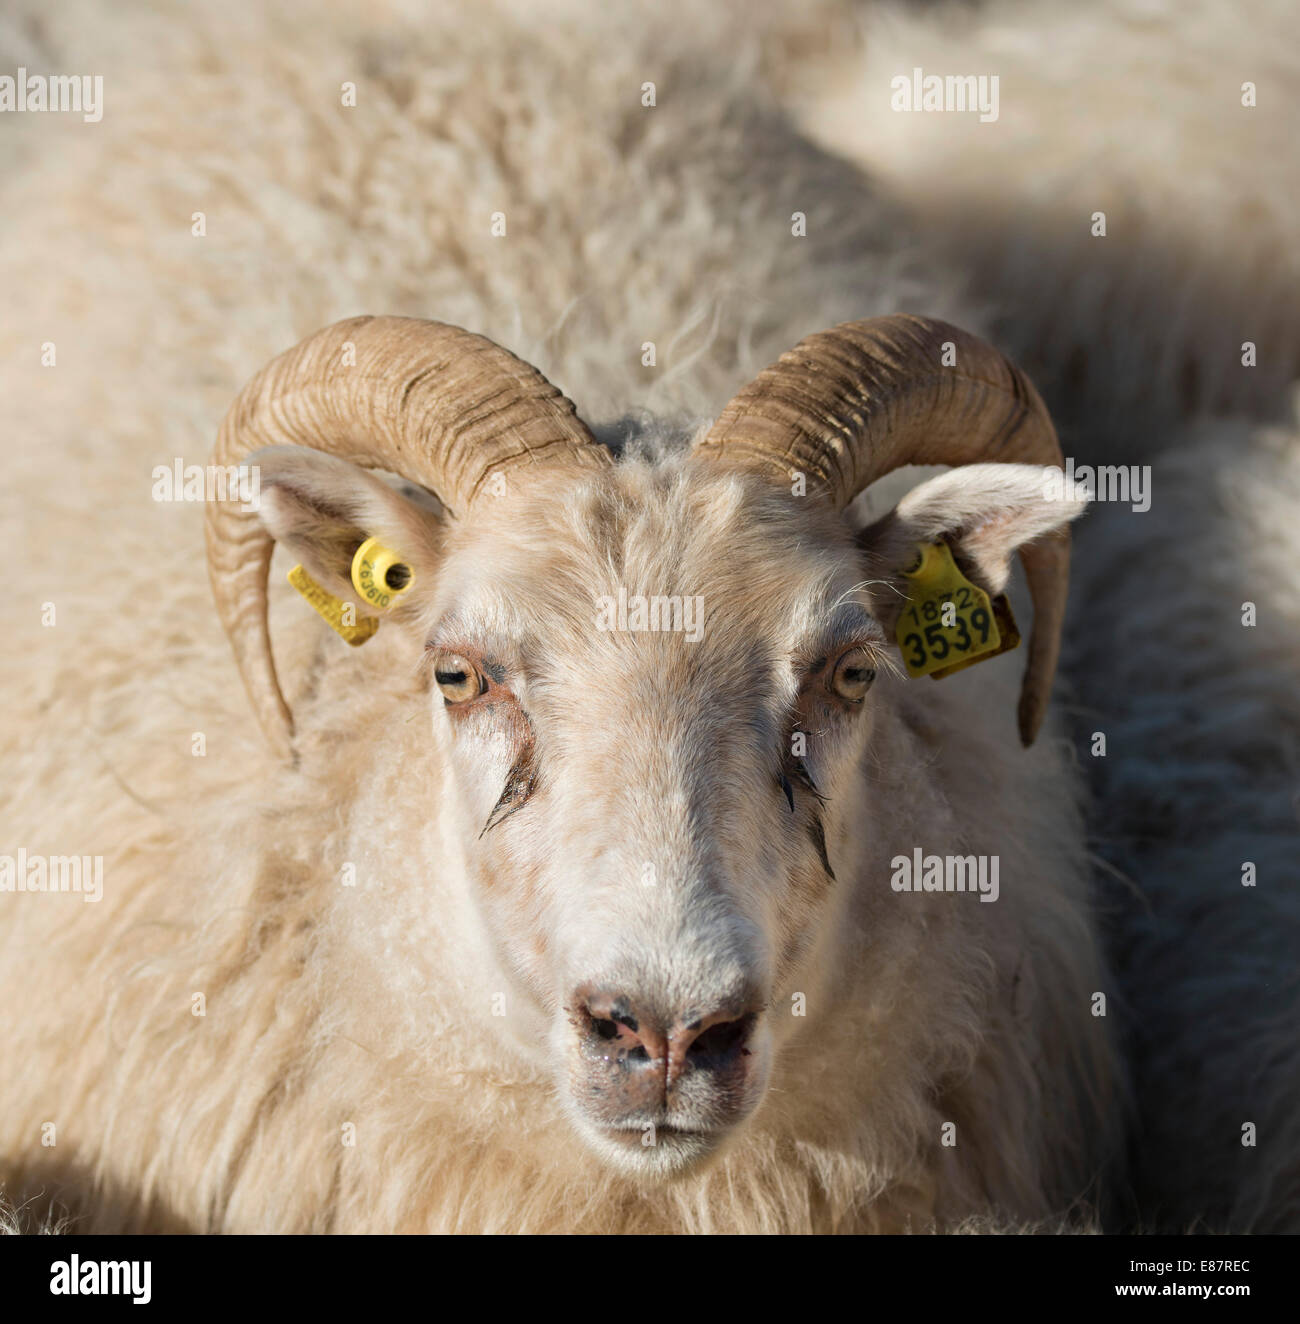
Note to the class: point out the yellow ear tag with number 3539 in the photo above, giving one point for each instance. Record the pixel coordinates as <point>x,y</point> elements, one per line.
<point>949,623</point>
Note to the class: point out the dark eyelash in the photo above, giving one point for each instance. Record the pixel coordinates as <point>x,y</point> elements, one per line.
<point>800,771</point>
<point>520,784</point>
<point>805,778</point>
<point>816,828</point>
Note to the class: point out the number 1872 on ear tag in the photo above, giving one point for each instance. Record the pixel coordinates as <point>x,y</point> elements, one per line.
<point>949,623</point>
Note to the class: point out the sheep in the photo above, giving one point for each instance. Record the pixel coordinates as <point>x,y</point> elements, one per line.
<point>630,863</point>
<point>281,1014</point>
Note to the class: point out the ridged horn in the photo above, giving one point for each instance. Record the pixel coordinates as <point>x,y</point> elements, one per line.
<point>434,403</point>
<point>848,405</point>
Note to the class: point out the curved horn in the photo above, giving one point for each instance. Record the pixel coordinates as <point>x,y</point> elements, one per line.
<point>432,402</point>
<point>848,405</point>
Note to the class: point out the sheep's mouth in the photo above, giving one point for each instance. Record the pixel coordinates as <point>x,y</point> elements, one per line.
<point>666,1153</point>
<point>636,1135</point>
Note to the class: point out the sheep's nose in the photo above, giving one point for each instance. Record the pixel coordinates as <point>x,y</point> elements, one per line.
<point>654,1054</point>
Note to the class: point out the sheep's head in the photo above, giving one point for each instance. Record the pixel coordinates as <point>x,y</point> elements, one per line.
<point>652,682</point>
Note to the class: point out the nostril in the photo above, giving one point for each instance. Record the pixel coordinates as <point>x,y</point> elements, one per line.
<point>720,1041</point>
<point>614,1031</point>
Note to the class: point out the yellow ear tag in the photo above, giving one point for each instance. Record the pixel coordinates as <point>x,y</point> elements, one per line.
<point>333,611</point>
<point>948,622</point>
<point>380,575</point>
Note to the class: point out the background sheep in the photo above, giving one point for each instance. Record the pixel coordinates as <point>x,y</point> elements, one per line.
<point>314,211</point>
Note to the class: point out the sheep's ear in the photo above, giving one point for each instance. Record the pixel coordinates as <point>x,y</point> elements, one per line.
<point>984,511</point>
<point>321,508</point>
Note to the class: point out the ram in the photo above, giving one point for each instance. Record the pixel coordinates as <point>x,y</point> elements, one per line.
<point>635,885</point>
<point>524,914</point>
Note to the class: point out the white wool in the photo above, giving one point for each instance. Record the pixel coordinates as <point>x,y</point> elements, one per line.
<point>1130,108</point>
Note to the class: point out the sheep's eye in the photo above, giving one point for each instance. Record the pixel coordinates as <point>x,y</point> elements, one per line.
<point>457,677</point>
<point>853,675</point>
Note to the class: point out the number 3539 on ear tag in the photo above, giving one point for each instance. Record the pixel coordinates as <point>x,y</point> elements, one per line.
<point>949,623</point>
